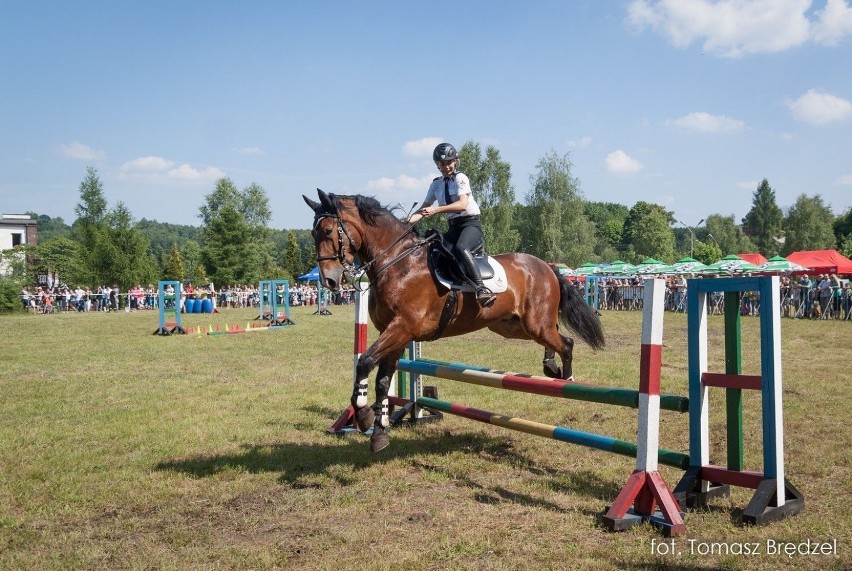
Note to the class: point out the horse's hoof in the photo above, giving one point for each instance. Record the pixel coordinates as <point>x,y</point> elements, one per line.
<point>365,418</point>
<point>379,440</point>
<point>551,370</point>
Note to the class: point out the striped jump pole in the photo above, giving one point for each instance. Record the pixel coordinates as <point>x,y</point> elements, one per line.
<point>537,384</point>
<point>588,439</point>
<point>646,489</point>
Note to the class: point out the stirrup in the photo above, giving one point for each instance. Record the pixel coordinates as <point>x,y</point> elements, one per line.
<point>485,296</point>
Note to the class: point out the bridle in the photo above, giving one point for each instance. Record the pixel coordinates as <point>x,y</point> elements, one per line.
<point>340,255</point>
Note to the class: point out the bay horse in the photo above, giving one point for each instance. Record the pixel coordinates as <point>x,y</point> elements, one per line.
<point>407,303</point>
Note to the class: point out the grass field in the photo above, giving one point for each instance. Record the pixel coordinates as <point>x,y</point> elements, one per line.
<point>124,450</point>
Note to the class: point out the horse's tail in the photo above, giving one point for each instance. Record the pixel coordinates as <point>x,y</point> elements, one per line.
<point>575,314</point>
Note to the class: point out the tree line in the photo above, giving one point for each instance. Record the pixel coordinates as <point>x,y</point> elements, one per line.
<point>234,243</point>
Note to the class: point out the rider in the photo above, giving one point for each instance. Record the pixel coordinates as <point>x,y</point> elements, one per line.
<point>452,193</point>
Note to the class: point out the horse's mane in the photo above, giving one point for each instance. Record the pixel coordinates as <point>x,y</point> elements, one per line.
<point>369,209</point>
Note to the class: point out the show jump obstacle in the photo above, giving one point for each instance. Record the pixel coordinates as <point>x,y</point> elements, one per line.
<point>774,496</point>
<point>268,292</point>
<point>645,497</point>
<point>169,303</point>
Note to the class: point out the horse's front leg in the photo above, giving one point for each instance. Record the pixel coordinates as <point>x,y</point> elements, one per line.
<point>380,439</point>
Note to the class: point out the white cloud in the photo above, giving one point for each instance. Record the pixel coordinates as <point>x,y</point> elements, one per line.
<point>148,164</point>
<point>81,152</point>
<point>845,180</point>
<point>155,169</point>
<point>421,147</point>
<point>734,28</point>
<point>748,184</point>
<point>820,108</point>
<point>833,23</point>
<point>580,143</point>
<point>248,151</point>
<point>401,184</point>
<point>619,162</point>
<point>192,174</point>
<point>707,123</point>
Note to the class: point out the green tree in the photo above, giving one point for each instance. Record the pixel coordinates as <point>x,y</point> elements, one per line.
<point>707,253</point>
<point>808,225</point>
<point>59,258</point>
<point>125,252</point>
<point>49,228</point>
<point>843,232</point>
<point>292,257</point>
<point>726,234</point>
<point>249,209</point>
<point>162,236</point>
<point>173,269</point>
<point>91,230</point>
<point>92,208</point>
<point>564,233</point>
<point>764,221</point>
<point>648,232</point>
<point>845,246</point>
<point>608,218</point>
<point>229,253</point>
<point>193,262</point>
<point>491,182</point>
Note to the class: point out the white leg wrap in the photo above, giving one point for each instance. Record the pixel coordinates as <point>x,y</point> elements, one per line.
<point>384,418</point>
<point>361,401</point>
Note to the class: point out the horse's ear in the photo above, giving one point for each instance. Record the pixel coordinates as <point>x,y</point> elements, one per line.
<point>326,201</point>
<point>315,206</point>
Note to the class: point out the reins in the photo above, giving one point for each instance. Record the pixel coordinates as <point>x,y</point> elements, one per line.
<point>340,255</point>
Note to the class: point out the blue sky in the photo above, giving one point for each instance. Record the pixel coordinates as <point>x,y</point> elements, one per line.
<point>685,103</point>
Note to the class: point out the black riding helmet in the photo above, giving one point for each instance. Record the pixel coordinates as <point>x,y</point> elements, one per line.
<point>444,152</point>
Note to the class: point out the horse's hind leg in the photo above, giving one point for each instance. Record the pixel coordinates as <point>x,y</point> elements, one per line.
<point>380,439</point>
<point>566,354</point>
<point>551,369</point>
<point>364,415</point>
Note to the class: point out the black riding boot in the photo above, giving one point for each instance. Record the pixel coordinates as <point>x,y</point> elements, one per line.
<point>484,296</point>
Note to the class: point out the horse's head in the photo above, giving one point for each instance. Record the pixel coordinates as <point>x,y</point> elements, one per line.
<point>335,233</point>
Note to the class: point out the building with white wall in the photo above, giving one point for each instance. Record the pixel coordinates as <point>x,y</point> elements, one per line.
<point>16,230</point>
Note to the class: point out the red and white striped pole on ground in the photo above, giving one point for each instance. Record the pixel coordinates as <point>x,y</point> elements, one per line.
<point>646,489</point>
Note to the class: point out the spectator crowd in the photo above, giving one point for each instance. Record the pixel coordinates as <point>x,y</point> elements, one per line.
<point>824,297</point>
<point>48,300</point>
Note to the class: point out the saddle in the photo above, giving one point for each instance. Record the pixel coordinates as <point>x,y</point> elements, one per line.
<point>446,268</point>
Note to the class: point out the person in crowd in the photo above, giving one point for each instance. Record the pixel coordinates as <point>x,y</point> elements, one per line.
<point>823,289</point>
<point>150,296</point>
<point>46,303</point>
<point>804,286</point>
<point>114,292</point>
<point>454,197</point>
<point>680,293</point>
<point>836,295</point>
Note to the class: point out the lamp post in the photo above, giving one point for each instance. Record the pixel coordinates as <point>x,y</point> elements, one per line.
<point>691,236</point>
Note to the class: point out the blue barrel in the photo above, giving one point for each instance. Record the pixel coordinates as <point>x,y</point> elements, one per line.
<point>189,305</point>
<point>206,306</point>
<point>197,307</point>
